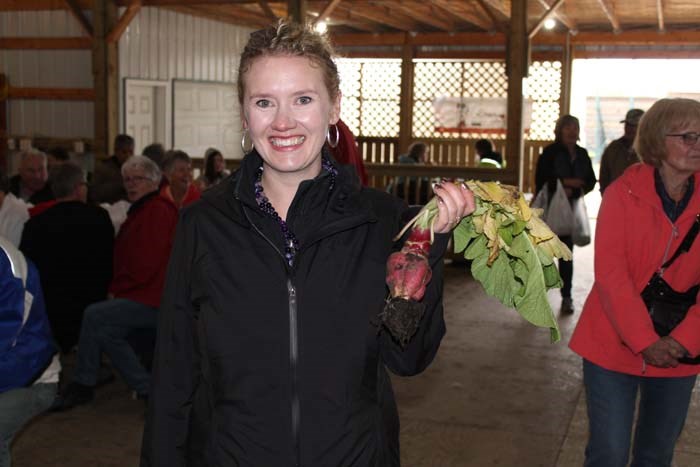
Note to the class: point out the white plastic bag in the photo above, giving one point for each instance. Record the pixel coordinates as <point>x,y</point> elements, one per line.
<point>581,233</point>
<point>558,214</point>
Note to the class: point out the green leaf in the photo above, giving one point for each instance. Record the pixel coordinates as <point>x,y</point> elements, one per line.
<point>477,248</point>
<point>533,304</point>
<point>518,226</point>
<point>463,234</point>
<point>552,279</point>
<point>505,234</point>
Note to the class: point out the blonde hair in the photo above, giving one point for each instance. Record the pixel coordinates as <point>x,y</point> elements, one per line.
<point>292,39</point>
<point>664,117</point>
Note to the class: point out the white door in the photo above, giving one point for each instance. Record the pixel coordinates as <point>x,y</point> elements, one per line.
<point>146,113</point>
<point>206,115</point>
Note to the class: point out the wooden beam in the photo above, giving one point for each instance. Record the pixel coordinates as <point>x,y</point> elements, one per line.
<point>562,18</point>
<point>424,16</point>
<point>105,68</point>
<point>131,11</point>
<point>267,10</point>
<point>58,94</point>
<point>383,16</point>
<point>638,38</point>
<point>516,70</point>
<point>327,10</point>
<point>406,99</point>
<point>296,9</point>
<point>610,13</point>
<point>462,13</point>
<point>660,15</point>
<point>77,13</point>
<point>500,7</point>
<point>566,68</point>
<point>494,20</point>
<point>536,28</point>
<point>45,43</point>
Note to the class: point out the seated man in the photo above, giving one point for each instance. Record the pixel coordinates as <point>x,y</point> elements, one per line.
<point>71,244</point>
<point>141,252</point>
<point>107,186</point>
<point>28,362</point>
<point>31,183</point>
<point>177,168</point>
<point>14,212</point>
<point>487,157</point>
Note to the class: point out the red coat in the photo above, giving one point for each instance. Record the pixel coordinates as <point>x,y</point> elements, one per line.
<point>142,250</point>
<point>632,236</point>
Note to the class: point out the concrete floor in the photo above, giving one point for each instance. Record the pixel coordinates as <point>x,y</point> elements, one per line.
<point>498,394</point>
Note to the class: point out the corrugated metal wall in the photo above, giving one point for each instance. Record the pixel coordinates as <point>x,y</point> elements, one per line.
<point>46,68</point>
<point>163,45</point>
<point>158,45</point>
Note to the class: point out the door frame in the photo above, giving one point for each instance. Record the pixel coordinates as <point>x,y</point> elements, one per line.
<point>163,92</point>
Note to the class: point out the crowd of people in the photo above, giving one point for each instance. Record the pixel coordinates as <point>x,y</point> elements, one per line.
<point>95,257</point>
<point>266,294</point>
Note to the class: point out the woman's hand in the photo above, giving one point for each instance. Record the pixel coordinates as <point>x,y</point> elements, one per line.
<point>664,353</point>
<point>454,202</point>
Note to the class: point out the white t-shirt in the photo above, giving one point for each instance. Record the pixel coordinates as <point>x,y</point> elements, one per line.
<point>14,212</point>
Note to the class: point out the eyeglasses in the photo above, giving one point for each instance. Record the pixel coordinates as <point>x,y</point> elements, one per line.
<point>134,179</point>
<point>689,138</point>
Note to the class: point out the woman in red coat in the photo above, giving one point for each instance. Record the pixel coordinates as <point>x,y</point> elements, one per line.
<point>644,216</point>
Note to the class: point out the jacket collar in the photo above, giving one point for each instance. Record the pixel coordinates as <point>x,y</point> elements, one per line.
<point>235,198</point>
<point>639,182</point>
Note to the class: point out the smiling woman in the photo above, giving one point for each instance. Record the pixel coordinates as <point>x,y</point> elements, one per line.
<point>269,352</point>
<point>644,218</point>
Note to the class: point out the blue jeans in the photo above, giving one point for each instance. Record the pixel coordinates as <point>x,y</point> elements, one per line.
<point>17,407</point>
<point>105,327</point>
<point>611,398</point>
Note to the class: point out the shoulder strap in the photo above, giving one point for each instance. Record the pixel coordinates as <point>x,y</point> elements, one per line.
<point>686,243</point>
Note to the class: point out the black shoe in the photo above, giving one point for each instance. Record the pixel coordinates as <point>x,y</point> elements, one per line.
<point>75,394</point>
<point>567,306</point>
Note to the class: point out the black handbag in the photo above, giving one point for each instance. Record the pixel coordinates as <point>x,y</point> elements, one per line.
<point>666,306</point>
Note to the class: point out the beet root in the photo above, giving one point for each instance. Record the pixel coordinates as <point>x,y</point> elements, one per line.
<point>401,318</point>
<point>407,274</point>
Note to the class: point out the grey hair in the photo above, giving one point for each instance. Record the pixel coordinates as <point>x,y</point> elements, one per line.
<point>64,179</point>
<point>150,169</point>
<point>33,153</point>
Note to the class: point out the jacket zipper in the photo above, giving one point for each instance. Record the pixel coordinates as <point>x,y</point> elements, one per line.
<point>293,361</point>
<point>293,345</point>
<point>674,234</point>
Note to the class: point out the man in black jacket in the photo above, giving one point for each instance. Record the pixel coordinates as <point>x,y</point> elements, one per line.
<point>71,244</point>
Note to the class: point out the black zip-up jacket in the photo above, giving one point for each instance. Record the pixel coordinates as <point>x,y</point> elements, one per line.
<point>262,365</point>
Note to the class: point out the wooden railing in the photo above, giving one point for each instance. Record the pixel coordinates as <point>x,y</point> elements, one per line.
<point>449,158</point>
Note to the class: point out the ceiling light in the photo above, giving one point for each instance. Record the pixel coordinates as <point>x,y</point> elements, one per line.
<point>321,27</point>
<point>549,23</point>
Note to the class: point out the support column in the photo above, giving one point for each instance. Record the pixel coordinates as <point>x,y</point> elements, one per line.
<point>406,103</point>
<point>296,9</point>
<point>566,65</point>
<point>105,70</point>
<point>517,64</point>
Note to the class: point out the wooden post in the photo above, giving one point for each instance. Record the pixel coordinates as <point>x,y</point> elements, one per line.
<point>4,86</point>
<point>105,69</point>
<point>406,103</point>
<point>517,69</point>
<point>296,9</point>
<point>566,65</point>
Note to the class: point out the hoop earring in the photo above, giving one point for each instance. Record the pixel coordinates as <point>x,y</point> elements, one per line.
<point>243,142</point>
<point>333,143</point>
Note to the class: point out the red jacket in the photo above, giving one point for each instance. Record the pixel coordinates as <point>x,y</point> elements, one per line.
<point>142,250</point>
<point>633,238</point>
